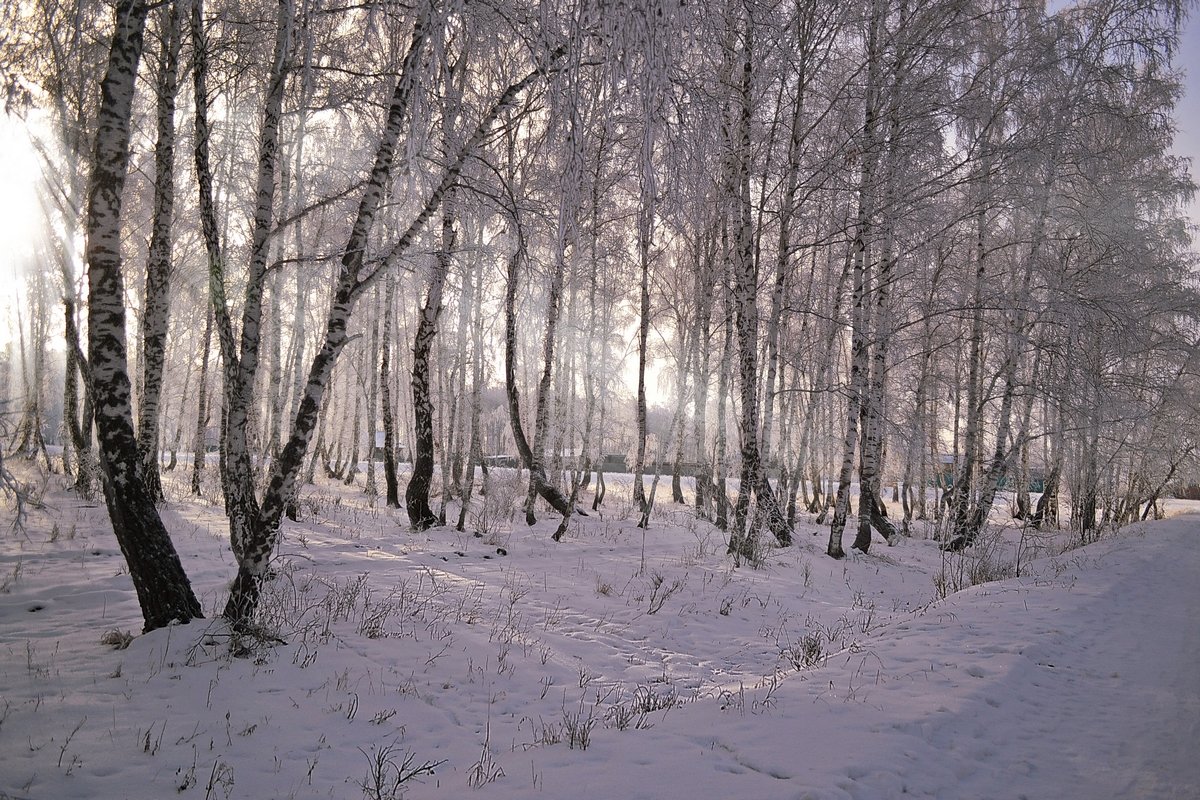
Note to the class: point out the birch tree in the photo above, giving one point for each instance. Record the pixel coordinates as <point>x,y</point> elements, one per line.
<point>157,294</point>
<point>355,276</point>
<point>162,586</point>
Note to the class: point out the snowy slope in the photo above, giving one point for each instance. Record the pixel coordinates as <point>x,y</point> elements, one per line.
<point>605,666</point>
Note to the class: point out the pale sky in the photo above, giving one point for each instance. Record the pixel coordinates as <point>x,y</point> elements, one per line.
<point>1187,113</point>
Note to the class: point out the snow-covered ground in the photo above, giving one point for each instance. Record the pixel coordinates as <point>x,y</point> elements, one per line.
<point>609,665</point>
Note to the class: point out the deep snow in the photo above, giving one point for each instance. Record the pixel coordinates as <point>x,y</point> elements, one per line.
<point>604,666</point>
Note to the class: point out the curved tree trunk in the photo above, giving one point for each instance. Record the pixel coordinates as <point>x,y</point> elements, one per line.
<point>355,276</point>
<point>531,459</point>
<point>164,592</point>
<point>79,422</point>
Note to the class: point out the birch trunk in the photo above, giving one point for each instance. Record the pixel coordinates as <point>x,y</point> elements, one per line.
<point>157,298</point>
<point>385,393</point>
<point>29,441</point>
<point>964,485</point>
<point>473,298</point>
<point>679,417</point>
<point>529,457</point>
<point>700,380</point>
<point>416,495</point>
<point>370,488</point>
<point>1017,334</point>
<point>593,373</point>
<point>870,507</point>
<point>164,592</point>
<point>199,442</point>
<point>354,278</point>
<point>645,225</point>
<point>252,526</point>
<point>720,453</point>
<point>745,298</point>
<point>859,356</point>
<point>240,359</point>
<point>79,421</point>
<point>787,211</point>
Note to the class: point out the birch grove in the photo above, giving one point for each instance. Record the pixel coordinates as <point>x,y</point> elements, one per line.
<point>892,265</point>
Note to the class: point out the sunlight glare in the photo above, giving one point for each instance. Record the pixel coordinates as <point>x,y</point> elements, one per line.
<point>20,214</point>
<point>20,211</point>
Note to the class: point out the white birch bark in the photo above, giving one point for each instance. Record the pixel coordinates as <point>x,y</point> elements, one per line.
<point>862,260</point>
<point>163,590</point>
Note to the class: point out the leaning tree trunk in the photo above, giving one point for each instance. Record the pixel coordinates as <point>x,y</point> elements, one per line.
<point>253,525</point>
<point>240,358</point>
<point>529,457</point>
<point>299,310</point>
<point>164,592</point>
<point>79,422</point>
<point>355,276</point>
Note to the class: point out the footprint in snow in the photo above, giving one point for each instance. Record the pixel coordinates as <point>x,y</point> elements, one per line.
<point>500,551</point>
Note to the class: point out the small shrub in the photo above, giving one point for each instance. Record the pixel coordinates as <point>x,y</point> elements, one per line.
<point>981,563</point>
<point>117,639</point>
<point>496,509</point>
<point>578,727</point>
<point>9,580</point>
<point>806,653</point>
<point>387,772</point>
<point>660,591</point>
